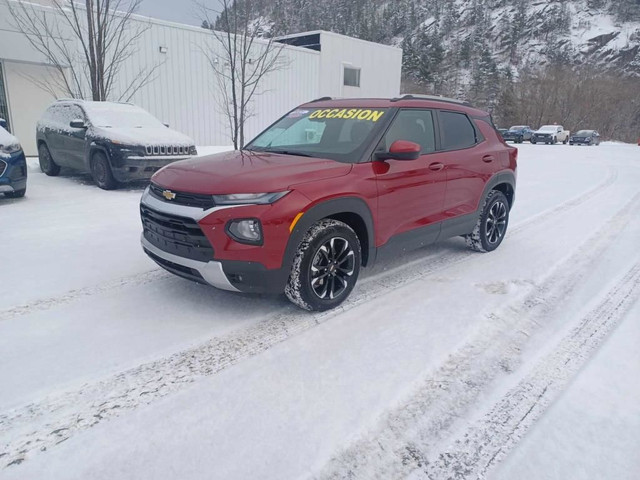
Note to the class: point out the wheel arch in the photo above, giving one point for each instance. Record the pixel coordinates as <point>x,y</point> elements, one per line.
<point>350,210</point>
<point>91,151</point>
<point>504,182</point>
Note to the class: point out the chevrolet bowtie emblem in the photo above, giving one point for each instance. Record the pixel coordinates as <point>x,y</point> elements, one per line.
<point>168,194</point>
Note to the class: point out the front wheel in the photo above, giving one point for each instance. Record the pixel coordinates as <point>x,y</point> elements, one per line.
<point>101,172</point>
<point>533,141</point>
<point>326,266</point>
<point>564,142</point>
<point>491,226</point>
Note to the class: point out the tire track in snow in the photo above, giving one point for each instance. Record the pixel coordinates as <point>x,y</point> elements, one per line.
<point>54,419</point>
<point>488,441</point>
<point>77,294</point>
<point>406,441</point>
<point>157,274</point>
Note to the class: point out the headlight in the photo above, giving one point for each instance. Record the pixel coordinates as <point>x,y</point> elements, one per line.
<point>11,148</point>
<point>248,198</point>
<point>247,230</point>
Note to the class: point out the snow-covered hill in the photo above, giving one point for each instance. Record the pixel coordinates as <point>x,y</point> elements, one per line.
<point>446,39</point>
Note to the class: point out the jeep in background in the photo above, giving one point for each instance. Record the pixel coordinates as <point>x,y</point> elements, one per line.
<point>518,134</point>
<point>114,142</point>
<point>331,187</point>
<point>550,135</point>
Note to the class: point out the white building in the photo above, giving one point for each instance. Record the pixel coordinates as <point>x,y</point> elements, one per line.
<point>183,92</point>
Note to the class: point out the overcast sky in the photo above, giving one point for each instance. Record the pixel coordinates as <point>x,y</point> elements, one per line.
<point>181,11</point>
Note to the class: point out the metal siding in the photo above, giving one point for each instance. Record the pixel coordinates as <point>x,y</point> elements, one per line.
<point>183,91</point>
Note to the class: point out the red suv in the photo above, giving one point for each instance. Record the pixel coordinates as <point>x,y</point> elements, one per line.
<point>327,189</point>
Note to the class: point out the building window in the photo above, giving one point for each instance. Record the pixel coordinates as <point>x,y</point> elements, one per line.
<point>4,106</point>
<point>351,77</point>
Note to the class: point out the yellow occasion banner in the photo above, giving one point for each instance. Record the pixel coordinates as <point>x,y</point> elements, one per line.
<point>348,113</point>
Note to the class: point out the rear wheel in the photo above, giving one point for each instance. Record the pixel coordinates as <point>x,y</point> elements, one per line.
<point>326,266</point>
<point>47,165</point>
<point>564,142</point>
<point>533,141</point>
<point>101,172</point>
<point>492,223</point>
<point>16,193</point>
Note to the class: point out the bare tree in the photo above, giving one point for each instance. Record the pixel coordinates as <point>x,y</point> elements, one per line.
<point>240,57</point>
<point>86,42</point>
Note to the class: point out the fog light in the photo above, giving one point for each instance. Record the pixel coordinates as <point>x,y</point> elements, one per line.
<point>247,230</point>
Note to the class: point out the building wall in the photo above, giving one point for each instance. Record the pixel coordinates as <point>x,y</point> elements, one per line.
<point>183,91</point>
<point>380,67</point>
<point>185,94</point>
<point>27,101</point>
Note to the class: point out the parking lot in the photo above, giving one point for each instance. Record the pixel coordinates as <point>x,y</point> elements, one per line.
<point>113,367</point>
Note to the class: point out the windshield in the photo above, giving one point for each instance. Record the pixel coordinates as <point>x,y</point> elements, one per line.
<point>548,128</point>
<point>121,116</point>
<point>584,133</point>
<point>340,134</point>
<point>518,127</point>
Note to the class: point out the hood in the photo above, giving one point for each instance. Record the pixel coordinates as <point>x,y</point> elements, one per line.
<point>144,136</point>
<point>246,172</point>
<point>6,138</point>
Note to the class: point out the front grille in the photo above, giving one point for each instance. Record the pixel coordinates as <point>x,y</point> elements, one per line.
<point>183,198</point>
<point>177,235</point>
<point>3,167</point>
<point>167,149</point>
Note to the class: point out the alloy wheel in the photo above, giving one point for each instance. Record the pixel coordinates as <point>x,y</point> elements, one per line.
<point>496,222</point>
<point>332,268</point>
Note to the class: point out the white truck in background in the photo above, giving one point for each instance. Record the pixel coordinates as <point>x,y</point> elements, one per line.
<point>550,134</point>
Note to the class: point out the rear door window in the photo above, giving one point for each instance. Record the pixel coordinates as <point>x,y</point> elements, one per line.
<point>457,131</point>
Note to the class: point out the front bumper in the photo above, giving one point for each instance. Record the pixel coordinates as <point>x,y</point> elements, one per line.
<point>580,141</point>
<point>131,168</point>
<point>174,237</point>
<point>210,272</point>
<point>14,173</point>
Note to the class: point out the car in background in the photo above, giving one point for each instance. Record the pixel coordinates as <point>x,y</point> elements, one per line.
<point>550,135</point>
<point>502,131</point>
<point>518,133</point>
<point>13,165</point>
<point>585,137</point>
<point>114,142</point>
<point>332,186</point>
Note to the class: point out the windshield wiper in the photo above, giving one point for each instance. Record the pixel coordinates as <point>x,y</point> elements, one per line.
<point>282,152</point>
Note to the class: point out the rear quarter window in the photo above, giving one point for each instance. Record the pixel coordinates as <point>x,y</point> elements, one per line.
<point>457,131</point>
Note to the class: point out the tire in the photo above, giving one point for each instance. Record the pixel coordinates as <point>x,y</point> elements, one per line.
<point>16,193</point>
<point>101,172</point>
<point>492,224</point>
<point>554,141</point>
<point>533,142</point>
<point>47,165</point>
<point>564,142</point>
<point>329,250</point>
<point>519,140</point>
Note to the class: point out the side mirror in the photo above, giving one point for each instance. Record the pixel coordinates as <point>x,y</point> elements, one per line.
<point>166,125</point>
<point>401,150</point>
<point>3,123</point>
<point>77,123</point>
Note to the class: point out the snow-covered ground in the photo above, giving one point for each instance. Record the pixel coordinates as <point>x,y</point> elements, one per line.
<point>445,363</point>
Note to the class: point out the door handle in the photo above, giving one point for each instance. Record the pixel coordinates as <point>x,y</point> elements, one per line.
<point>436,167</point>
<point>488,158</point>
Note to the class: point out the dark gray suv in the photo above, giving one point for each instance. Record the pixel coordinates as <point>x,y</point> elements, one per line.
<point>114,142</point>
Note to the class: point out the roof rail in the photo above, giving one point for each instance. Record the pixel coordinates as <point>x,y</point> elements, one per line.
<point>69,100</point>
<point>438,98</point>
<point>321,99</point>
